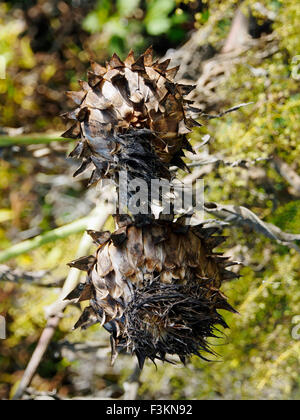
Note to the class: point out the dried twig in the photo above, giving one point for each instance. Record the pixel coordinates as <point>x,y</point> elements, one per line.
<point>17,276</point>
<point>241,163</point>
<point>32,277</point>
<point>242,216</point>
<point>37,356</point>
<point>227,111</point>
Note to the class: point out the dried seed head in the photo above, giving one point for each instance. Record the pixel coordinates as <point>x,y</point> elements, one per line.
<point>155,288</point>
<point>170,319</point>
<point>128,108</point>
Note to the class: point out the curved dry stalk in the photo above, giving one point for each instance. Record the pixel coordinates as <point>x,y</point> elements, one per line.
<point>96,220</point>
<point>29,277</point>
<point>241,216</point>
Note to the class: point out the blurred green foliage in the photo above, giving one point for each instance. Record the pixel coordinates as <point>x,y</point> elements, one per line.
<point>137,23</point>
<point>287,216</point>
<point>15,51</point>
<point>126,24</point>
<point>258,357</point>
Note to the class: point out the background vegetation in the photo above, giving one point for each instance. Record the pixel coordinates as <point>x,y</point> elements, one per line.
<point>45,47</point>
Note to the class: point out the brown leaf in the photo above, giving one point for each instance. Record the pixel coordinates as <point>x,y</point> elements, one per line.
<point>129,59</point>
<point>119,236</point>
<point>171,73</point>
<point>82,292</point>
<point>97,69</point>
<point>76,97</point>
<point>115,62</point>
<point>148,57</point>
<point>162,67</point>
<point>73,132</point>
<point>99,237</point>
<point>87,319</point>
<point>83,263</point>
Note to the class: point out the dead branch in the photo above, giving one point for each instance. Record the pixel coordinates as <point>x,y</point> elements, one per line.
<point>241,216</point>
<point>241,163</point>
<point>18,276</point>
<point>35,278</point>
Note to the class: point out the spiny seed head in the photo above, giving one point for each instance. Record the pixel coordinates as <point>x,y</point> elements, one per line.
<point>155,288</point>
<point>129,110</point>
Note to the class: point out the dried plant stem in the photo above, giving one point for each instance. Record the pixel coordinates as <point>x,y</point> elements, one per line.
<point>37,356</point>
<point>96,220</point>
<point>19,276</point>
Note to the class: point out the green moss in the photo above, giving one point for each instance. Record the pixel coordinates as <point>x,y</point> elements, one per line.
<point>287,217</point>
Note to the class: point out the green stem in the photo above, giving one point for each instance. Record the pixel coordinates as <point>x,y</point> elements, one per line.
<point>51,236</point>
<point>6,141</point>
